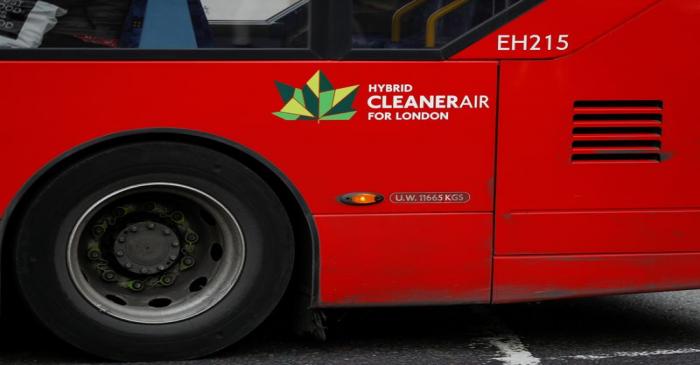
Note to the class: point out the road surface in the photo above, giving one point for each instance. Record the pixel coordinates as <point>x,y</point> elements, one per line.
<point>636,329</point>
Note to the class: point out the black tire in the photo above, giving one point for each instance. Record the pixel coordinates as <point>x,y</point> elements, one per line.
<point>42,238</point>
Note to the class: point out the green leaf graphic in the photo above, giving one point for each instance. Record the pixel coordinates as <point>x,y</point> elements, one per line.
<point>317,100</point>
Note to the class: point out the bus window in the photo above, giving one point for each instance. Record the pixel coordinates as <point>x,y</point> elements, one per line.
<point>419,23</point>
<point>259,24</point>
<point>154,24</point>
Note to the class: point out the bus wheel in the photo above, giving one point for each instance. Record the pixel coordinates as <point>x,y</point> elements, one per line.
<point>154,251</point>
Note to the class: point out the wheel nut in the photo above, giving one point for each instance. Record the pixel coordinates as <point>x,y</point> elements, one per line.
<point>122,239</point>
<point>120,253</point>
<point>161,268</point>
<point>109,276</point>
<point>167,280</point>
<point>144,271</point>
<point>129,265</point>
<point>173,257</point>
<point>151,226</point>
<point>176,244</point>
<point>167,232</point>
<point>134,229</point>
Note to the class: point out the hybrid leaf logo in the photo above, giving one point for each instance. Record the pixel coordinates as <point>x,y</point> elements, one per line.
<point>317,100</point>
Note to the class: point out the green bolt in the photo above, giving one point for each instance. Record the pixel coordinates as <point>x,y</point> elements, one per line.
<point>189,248</point>
<point>94,254</point>
<point>167,280</point>
<point>177,217</point>
<point>187,263</point>
<point>192,237</point>
<point>98,230</point>
<point>109,276</point>
<point>123,210</point>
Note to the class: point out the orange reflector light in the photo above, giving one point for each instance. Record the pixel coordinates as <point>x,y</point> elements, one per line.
<point>361,199</point>
<point>364,199</point>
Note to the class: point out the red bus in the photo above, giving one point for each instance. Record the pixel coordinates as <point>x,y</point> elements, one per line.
<point>172,168</point>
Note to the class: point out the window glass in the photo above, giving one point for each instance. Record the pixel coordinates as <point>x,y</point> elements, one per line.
<point>419,23</point>
<point>154,24</point>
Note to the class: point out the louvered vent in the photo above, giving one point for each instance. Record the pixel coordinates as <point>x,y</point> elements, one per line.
<point>617,131</point>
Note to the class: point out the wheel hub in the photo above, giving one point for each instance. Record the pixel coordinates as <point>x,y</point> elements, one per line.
<point>146,248</point>
<point>156,253</point>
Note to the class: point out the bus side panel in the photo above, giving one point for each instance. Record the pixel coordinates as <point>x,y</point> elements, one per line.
<point>536,278</point>
<point>603,231</point>
<point>555,28</point>
<point>540,183</point>
<point>57,106</point>
<point>597,224</point>
<point>405,259</point>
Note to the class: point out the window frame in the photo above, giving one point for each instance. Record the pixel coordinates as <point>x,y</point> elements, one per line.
<point>451,48</point>
<point>330,26</point>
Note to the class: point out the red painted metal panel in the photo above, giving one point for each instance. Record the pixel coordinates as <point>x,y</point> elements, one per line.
<point>405,259</point>
<point>548,204</point>
<point>535,278</point>
<point>611,231</point>
<point>581,21</point>
<point>59,105</point>
<point>433,253</point>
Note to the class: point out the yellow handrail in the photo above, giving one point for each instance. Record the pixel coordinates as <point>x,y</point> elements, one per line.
<point>398,16</point>
<point>431,31</point>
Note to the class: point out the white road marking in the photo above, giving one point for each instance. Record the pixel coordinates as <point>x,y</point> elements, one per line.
<point>508,344</point>
<point>513,350</point>
<point>628,354</point>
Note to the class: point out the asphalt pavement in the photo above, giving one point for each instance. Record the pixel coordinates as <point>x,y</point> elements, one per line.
<point>635,329</point>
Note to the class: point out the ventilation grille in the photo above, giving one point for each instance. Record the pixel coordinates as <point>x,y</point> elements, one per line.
<point>617,131</point>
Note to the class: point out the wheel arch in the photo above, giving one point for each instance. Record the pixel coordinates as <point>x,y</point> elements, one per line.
<point>305,274</point>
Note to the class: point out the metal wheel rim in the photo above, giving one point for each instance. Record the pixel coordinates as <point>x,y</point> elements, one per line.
<point>225,278</point>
